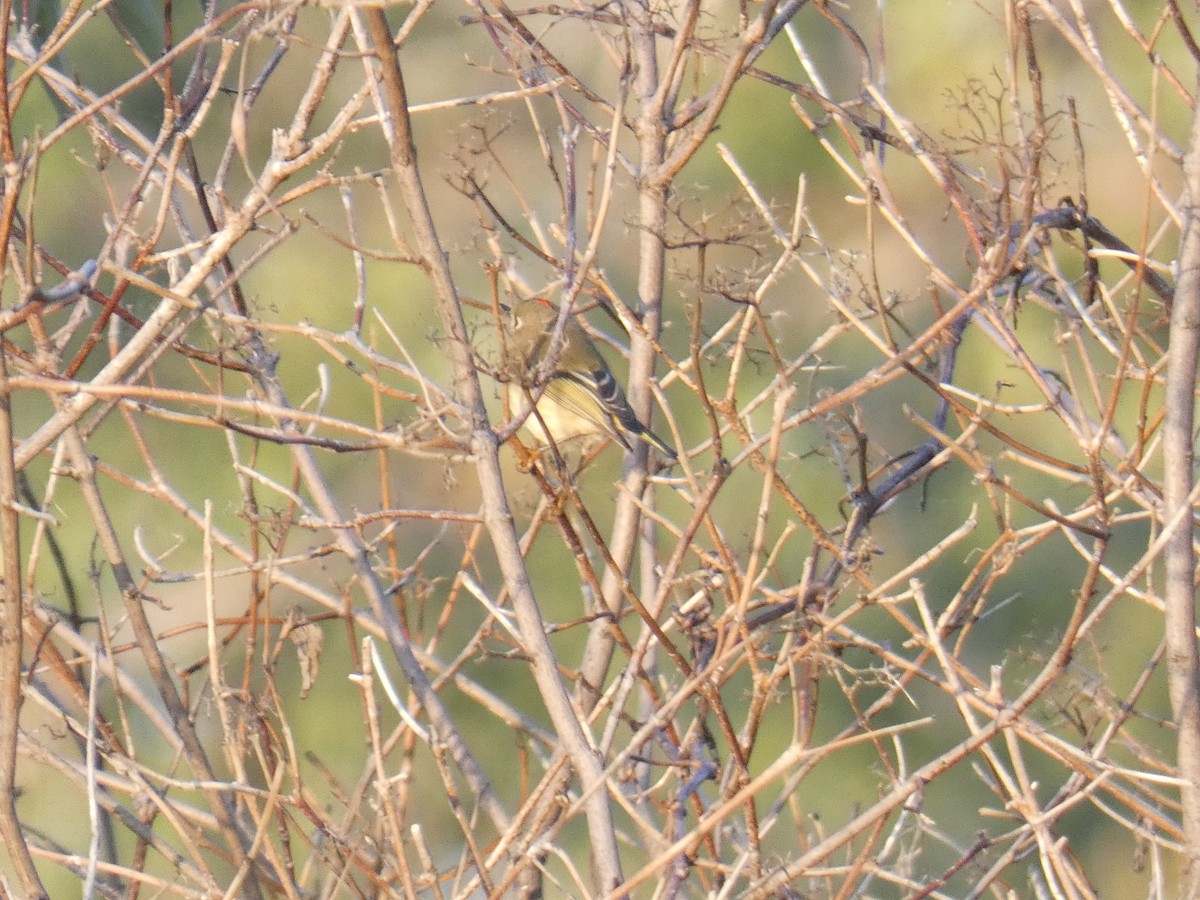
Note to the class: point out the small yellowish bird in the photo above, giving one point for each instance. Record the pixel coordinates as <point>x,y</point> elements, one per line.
<point>582,400</point>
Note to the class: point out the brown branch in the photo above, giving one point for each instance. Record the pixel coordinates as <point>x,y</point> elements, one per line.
<point>12,630</point>
<point>1183,660</point>
<point>602,838</point>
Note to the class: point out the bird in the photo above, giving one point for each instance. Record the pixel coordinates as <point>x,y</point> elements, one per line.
<point>582,400</point>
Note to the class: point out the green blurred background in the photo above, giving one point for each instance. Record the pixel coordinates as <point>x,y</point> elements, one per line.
<point>954,50</point>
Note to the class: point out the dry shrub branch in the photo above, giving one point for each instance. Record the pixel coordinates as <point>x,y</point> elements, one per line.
<point>292,607</point>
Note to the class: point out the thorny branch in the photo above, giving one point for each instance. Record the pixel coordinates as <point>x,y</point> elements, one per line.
<point>930,519</point>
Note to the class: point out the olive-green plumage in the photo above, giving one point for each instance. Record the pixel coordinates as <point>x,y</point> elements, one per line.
<point>582,400</point>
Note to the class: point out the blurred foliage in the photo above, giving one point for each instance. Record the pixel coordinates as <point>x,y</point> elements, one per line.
<point>300,289</point>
